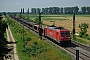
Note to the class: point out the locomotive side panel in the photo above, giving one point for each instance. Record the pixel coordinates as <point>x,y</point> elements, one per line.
<point>53,34</point>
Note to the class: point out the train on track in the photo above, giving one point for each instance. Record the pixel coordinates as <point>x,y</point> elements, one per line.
<point>58,34</point>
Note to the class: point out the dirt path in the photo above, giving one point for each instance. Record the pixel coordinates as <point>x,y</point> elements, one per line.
<point>14,55</point>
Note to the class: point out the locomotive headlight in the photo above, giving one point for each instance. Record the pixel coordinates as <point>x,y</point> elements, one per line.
<point>68,37</point>
<point>62,37</point>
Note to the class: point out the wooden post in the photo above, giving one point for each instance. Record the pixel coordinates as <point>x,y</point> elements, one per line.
<point>40,27</point>
<point>74,26</point>
<point>77,54</point>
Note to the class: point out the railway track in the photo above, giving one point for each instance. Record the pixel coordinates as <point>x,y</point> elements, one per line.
<point>81,45</point>
<point>84,53</point>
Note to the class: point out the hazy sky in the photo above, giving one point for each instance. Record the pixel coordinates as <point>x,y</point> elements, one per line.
<point>16,5</point>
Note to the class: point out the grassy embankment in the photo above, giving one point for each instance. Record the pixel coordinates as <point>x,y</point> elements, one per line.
<point>51,52</point>
<point>83,41</point>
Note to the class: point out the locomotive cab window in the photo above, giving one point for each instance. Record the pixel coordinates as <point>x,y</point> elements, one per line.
<point>64,33</point>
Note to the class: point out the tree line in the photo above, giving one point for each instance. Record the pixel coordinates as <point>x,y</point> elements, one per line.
<point>54,10</point>
<point>61,10</point>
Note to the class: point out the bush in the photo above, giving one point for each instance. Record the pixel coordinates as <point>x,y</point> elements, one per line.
<point>83,36</point>
<point>27,39</point>
<point>88,37</point>
<point>35,49</point>
<point>86,34</point>
<point>80,34</point>
<point>3,42</point>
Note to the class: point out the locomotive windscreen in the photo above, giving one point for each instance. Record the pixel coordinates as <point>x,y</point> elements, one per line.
<point>65,33</point>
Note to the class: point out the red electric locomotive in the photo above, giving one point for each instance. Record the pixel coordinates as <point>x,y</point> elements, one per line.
<point>59,34</point>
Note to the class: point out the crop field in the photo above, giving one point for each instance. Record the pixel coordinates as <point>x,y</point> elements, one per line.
<point>66,21</point>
